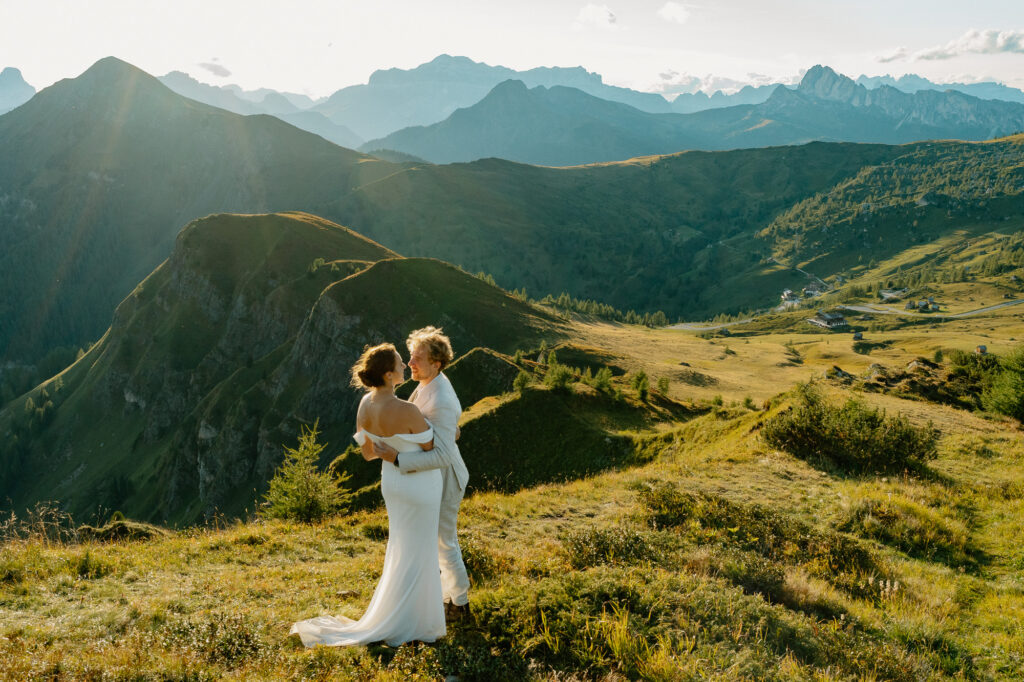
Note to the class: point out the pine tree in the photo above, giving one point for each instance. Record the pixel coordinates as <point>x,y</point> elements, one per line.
<point>522,381</point>
<point>298,490</point>
<point>641,384</point>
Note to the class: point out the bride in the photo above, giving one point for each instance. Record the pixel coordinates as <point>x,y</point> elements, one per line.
<point>407,604</point>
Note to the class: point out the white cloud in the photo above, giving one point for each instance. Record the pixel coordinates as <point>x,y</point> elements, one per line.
<point>675,12</point>
<point>976,42</point>
<point>972,42</point>
<point>595,16</point>
<point>896,55</point>
<point>674,83</point>
<point>216,69</point>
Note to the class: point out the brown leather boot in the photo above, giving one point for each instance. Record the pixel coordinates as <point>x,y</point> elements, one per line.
<point>454,613</point>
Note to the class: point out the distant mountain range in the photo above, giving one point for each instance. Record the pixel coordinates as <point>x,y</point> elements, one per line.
<point>98,173</point>
<point>395,98</point>
<point>398,98</point>
<point>563,126</point>
<point>14,91</point>
<point>282,105</point>
<point>913,83</point>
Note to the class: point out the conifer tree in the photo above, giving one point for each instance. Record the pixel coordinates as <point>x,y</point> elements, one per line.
<point>298,490</point>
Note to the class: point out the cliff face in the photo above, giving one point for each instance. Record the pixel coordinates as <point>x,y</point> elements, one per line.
<point>244,334</point>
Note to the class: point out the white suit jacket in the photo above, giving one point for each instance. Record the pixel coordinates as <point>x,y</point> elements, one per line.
<point>439,404</point>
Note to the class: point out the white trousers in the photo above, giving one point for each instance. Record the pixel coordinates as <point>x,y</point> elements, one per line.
<point>454,579</point>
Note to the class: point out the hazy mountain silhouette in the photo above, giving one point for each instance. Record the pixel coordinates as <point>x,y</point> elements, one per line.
<point>913,83</point>
<point>557,126</point>
<point>398,98</point>
<point>274,103</point>
<point>564,126</point>
<point>14,91</point>
<point>687,103</point>
<point>260,94</point>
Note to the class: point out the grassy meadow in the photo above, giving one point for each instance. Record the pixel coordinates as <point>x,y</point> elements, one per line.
<point>697,552</point>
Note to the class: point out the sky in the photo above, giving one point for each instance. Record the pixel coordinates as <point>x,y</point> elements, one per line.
<point>316,47</point>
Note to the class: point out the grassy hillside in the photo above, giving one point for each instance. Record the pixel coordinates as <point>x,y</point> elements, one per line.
<point>715,556</point>
<point>216,359</point>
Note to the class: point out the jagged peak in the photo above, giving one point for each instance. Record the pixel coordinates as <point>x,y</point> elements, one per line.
<point>824,83</point>
<point>818,73</point>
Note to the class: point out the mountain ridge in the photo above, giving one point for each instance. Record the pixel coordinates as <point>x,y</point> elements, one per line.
<point>547,126</point>
<point>248,329</point>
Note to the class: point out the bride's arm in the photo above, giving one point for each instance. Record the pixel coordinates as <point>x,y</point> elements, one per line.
<point>366,448</point>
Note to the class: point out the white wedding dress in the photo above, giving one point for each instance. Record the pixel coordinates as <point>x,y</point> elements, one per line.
<point>406,605</point>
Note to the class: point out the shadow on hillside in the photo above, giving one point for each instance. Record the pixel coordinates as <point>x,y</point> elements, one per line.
<point>519,440</point>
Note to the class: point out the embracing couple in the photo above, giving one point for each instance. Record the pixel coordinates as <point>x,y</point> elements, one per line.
<point>423,479</point>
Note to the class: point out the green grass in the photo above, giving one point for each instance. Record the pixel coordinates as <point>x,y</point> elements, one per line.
<point>711,555</point>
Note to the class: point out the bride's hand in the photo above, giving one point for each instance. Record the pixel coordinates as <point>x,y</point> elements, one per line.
<point>385,452</point>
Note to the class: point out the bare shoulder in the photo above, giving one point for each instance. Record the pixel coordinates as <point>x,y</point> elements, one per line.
<point>411,415</point>
<point>408,409</point>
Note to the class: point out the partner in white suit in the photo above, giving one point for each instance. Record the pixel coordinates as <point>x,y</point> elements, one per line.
<point>430,351</point>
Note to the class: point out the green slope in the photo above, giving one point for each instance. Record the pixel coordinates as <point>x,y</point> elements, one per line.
<point>217,357</point>
<point>100,171</point>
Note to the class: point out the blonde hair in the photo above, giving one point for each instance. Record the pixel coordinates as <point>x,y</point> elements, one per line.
<point>373,364</point>
<point>439,346</point>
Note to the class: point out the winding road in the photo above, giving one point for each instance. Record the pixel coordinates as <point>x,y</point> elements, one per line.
<point>699,327</point>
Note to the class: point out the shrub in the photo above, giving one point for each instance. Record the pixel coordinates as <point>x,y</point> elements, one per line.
<point>641,384</point>
<point>851,437</point>
<point>663,385</point>
<point>299,491</point>
<point>1005,392</point>
<point>592,546</point>
<point>481,562</point>
<point>710,519</point>
<point>87,566</point>
<point>558,377</point>
<point>751,571</point>
<point>522,381</point>
<point>374,531</point>
<point>1005,395</point>
<point>602,380</point>
<point>917,530</point>
<point>472,657</point>
<point>227,639</point>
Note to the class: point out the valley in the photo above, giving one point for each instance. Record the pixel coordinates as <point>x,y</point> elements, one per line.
<point>742,387</point>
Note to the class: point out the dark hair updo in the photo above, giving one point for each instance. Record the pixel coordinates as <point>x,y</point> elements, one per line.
<point>373,364</point>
